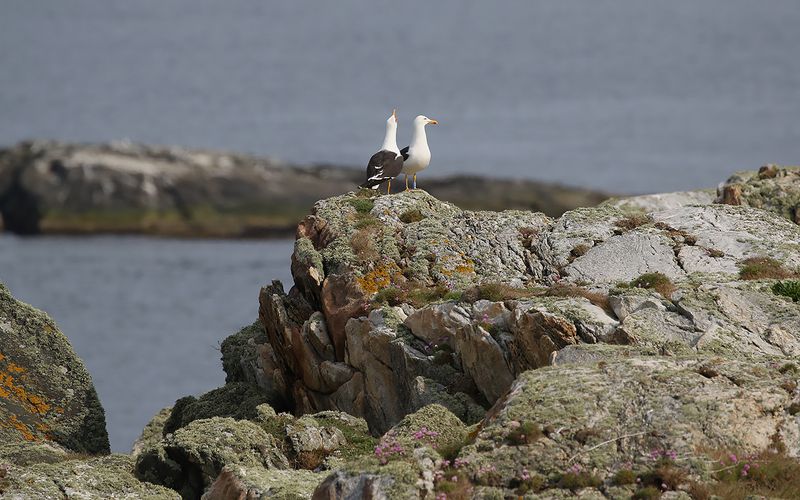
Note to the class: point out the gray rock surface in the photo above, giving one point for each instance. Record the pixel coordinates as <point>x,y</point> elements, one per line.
<point>46,394</point>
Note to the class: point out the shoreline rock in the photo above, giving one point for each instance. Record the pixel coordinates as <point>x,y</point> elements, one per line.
<point>49,187</point>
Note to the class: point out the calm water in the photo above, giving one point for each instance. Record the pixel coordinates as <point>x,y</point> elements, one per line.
<point>146,315</point>
<point>626,95</point>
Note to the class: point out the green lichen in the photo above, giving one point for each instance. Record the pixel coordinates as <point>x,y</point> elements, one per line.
<point>239,355</point>
<point>237,400</point>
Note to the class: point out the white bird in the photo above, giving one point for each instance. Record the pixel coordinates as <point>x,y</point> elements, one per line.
<point>386,163</point>
<point>417,156</point>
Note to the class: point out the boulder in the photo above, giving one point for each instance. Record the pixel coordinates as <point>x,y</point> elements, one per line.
<point>38,472</point>
<point>190,460</point>
<point>46,394</point>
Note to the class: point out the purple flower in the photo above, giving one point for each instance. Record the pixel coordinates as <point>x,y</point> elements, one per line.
<point>733,458</point>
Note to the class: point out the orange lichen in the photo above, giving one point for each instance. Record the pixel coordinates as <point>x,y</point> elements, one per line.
<point>14,423</point>
<point>14,368</point>
<point>380,277</point>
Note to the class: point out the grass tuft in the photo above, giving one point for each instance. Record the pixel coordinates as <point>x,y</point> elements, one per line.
<point>496,292</point>
<point>563,290</point>
<point>413,215</point>
<point>632,222</point>
<point>655,281</point>
<point>759,268</point>
<point>790,288</point>
<point>362,205</point>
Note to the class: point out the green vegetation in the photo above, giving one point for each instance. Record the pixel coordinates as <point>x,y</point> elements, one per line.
<point>759,268</point>
<point>624,476</point>
<point>413,293</point>
<point>526,433</point>
<point>790,288</point>
<point>655,281</point>
<point>578,480</point>
<point>497,292</point>
<point>362,205</point>
<point>413,215</point>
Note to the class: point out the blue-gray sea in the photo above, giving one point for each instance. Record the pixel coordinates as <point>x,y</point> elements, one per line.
<point>146,315</point>
<point>623,95</point>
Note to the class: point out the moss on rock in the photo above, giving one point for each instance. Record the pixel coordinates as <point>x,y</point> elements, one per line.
<point>45,391</point>
<point>236,400</point>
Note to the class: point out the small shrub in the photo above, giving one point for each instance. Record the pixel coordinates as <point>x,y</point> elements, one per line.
<point>362,205</point>
<point>623,477</point>
<point>413,215</point>
<point>310,460</point>
<point>454,296</point>
<point>496,292</point>
<point>525,433</point>
<point>632,222</point>
<point>420,296</point>
<point>793,409</point>
<point>759,268</point>
<point>713,252</point>
<point>655,281</point>
<point>708,371</point>
<point>770,473</point>
<point>789,289</point>
<point>789,368</point>
<point>392,296</point>
<point>578,480</point>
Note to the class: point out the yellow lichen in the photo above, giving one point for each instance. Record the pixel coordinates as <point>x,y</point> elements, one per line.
<point>381,277</point>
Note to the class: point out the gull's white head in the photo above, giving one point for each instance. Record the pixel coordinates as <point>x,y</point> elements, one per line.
<point>421,121</point>
<point>392,120</point>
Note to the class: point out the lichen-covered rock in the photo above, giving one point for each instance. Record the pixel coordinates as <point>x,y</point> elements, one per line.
<point>662,201</point>
<point>770,188</point>
<point>189,460</point>
<point>255,483</point>
<point>152,433</point>
<point>433,425</point>
<point>45,391</point>
<point>88,478</point>
<point>236,400</point>
<point>601,417</point>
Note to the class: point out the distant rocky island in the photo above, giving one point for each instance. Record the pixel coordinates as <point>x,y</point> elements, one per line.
<point>645,348</point>
<point>50,187</point>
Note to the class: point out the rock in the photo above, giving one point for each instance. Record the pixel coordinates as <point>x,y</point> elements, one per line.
<point>190,460</point>
<point>604,417</point>
<point>663,201</point>
<point>344,485</point>
<point>152,433</point>
<point>771,188</point>
<point>100,477</point>
<point>433,425</point>
<point>46,394</point>
<point>48,186</point>
<point>236,400</point>
<point>254,483</point>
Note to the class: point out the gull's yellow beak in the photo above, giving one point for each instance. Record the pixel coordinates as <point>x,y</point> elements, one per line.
<point>432,122</point>
<point>394,114</point>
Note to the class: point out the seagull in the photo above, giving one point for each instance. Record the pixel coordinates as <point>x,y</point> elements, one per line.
<point>417,156</point>
<point>386,163</point>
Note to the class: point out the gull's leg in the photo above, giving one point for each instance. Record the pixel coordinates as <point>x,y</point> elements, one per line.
<point>406,182</point>
<point>415,182</point>
<point>389,187</point>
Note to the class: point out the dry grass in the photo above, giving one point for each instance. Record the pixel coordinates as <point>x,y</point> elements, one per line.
<point>770,474</point>
<point>632,222</point>
<point>579,250</point>
<point>496,292</point>
<point>760,268</point>
<point>413,293</point>
<point>363,245</point>
<point>655,281</point>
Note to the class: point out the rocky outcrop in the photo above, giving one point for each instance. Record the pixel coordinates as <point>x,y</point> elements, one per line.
<point>46,394</point>
<point>629,349</point>
<point>390,313</point>
<point>48,187</point>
